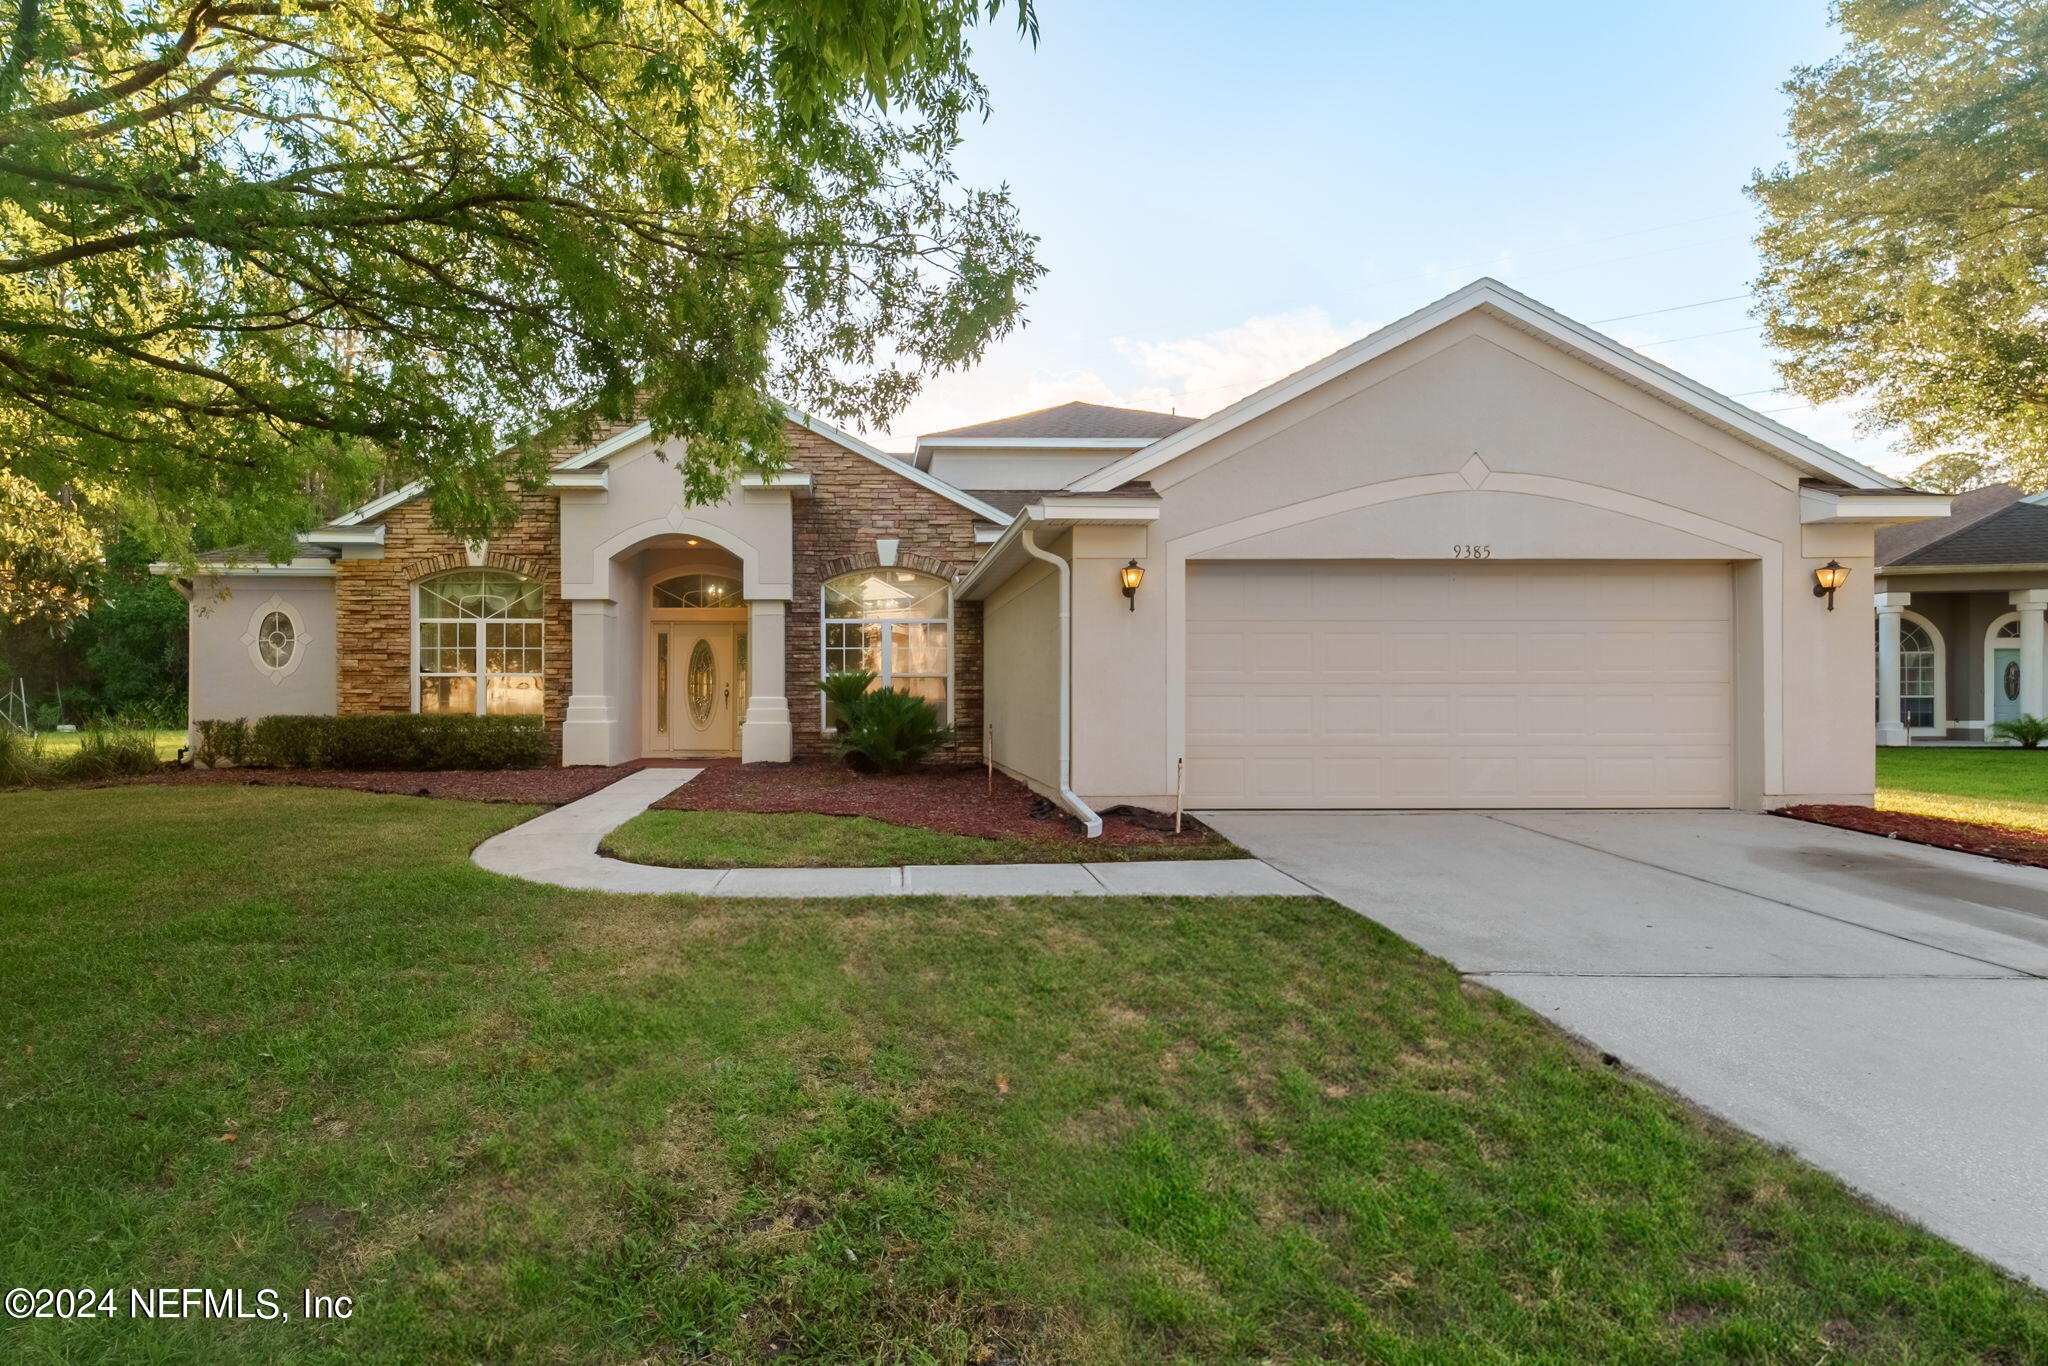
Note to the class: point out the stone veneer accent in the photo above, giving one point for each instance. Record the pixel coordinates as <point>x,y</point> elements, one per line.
<point>853,503</point>
<point>373,603</point>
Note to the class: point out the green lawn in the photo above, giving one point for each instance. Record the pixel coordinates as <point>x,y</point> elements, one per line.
<point>2006,787</point>
<point>521,1123</point>
<point>168,742</point>
<point>741,839</point>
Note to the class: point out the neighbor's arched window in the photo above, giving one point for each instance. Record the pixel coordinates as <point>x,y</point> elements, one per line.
<point>1916,675</point>
<point>896,624</point>
<point>698,590</point>
<point>480,643</point>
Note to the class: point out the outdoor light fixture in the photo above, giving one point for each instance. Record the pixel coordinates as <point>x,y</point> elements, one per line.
<point>1132,574</point>
<point>689,540</point>
<point>1827,579</point>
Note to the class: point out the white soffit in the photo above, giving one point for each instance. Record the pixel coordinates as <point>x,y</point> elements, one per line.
<point>1524,313</point>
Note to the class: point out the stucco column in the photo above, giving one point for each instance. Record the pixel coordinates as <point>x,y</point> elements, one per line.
<point>766,737</point>
<point>2031,603</point>
<point>1890,729</point>
<point>590,733</point>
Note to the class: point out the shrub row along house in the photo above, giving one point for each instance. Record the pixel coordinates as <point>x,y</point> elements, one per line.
<point>1483,557</point>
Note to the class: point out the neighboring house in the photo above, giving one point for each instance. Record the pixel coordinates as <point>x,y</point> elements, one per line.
<point>1484,557</point>
<point>1960,638</point>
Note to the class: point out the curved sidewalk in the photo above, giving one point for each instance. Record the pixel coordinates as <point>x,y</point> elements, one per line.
<point>559,847</point>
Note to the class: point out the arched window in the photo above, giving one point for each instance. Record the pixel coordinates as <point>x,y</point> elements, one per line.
<point>1916,675</point>
<point>2010,631</point>
<point>276,640</point>
<point>698,590</point>
<point>480,643</point>
<point>896,624</point>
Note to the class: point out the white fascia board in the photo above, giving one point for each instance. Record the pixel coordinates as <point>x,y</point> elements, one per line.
<point>610,446</point>
<point>1523,312</point>
<point>922,478</point>
<point>1006,556</point>
<point>988,533</point>
<point>377,507</point>
<point>301,568</point>
<point>344,535</point>
<point>1913,570</point>
<point>598,478</point>
<point>1838,507</point>
<point>1034,443</point>
<point>787,479</point>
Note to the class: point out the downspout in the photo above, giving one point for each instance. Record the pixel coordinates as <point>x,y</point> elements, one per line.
<point>1081,811</point>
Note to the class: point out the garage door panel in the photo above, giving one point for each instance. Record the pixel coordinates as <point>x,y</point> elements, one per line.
<point>1450,685</point>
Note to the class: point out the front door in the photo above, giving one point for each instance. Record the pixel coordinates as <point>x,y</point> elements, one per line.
<point>2005,684</point>
<point>692,689</point>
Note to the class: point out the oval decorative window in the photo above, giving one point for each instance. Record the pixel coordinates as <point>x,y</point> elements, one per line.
<point>2012,680</point>
<point>702,675</point>
<point>276,639</point>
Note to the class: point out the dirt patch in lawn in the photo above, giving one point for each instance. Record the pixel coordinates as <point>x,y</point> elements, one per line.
<point>953,799</point>
<point>525,786</point>
<point>2027,847</point>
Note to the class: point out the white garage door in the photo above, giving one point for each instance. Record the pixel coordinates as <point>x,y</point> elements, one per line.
<point>1430,684</point>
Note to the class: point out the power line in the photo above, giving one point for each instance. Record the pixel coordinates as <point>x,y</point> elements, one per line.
<point>1675,308</point>
<point>1724,332</point>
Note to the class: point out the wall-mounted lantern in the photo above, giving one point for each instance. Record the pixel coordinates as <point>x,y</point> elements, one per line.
<point>1827,579</point>
<point>1132,575</point>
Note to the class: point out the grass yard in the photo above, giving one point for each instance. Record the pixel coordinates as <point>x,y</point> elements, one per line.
<point>742,839</point>
<point>168,742</point>
<point>284,1037</point>
<point>2006,787</point>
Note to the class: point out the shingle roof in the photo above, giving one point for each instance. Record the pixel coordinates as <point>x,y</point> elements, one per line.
<point>250,555</point>
<point>1076,420</point>
<point>2015,534</point>
<point>1896,542</point>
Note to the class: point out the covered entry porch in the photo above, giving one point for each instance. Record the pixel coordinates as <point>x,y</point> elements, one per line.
<point>1956,656</point>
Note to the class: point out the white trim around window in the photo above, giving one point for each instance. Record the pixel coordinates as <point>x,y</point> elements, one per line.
<point>481,639</point>
<point>888,673</point>
<point>1993,643</point>
<point>1938,697</point>
<point>276,639</point>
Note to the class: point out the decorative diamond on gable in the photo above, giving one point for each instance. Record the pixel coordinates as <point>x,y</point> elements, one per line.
<point>1474,471</point>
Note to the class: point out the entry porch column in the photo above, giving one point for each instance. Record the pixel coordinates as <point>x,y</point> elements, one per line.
<point>1890,729</point>
<point>590,730</point>
<point>766,736</point>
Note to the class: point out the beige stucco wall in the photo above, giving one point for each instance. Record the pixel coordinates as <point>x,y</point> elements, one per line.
<point>1479,434</point>
<point>1020,660</point>
<point>1025,468</point>
<point>225,681</point>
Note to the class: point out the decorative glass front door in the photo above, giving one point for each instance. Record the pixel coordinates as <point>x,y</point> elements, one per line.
<point>2005,684</point>
<point>692,703</point>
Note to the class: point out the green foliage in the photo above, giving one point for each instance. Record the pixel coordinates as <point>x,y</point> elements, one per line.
<point>133,640</point>
<point>787,839</point>
<point>2028,730</point>
<point>47,550</point>
<point>107,752</point>
<point>222,742</point>
<point>398,740</point>
<point>889,731</point>
<point>843,691</point>
<point>259,256</point>
<point>1906,246</point>
<point>22,762</point>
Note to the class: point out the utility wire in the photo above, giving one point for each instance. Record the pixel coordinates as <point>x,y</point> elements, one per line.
<point>1675,308</point>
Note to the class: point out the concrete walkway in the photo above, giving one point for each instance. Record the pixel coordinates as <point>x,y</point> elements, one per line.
<point>1877,1007</point>
<point>560,847</point>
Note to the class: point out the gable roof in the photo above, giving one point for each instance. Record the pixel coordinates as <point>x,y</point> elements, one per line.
<point>1083,420</point>
<point>1520,311</point>
<point>1896,542</point>
<point>2016,533</point>
<point>632,435</point>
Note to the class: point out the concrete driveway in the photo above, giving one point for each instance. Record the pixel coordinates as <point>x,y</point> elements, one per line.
<point>1877,1007</point>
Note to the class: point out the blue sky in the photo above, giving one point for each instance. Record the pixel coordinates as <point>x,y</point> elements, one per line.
<point>1225,192</point>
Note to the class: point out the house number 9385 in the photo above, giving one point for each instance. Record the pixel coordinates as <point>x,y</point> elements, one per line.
<point>1471,552</point>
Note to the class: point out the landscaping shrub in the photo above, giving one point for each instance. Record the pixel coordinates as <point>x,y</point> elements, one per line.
<point>222,742</point>
<point>843,692</point>
<point>889,731</point>
<point>22,762</point>
<point>402,740</point>
<point>107,752</point>
<point>2030,731</point>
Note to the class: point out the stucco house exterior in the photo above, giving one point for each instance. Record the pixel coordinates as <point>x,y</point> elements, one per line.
<point>1960,610</point>
<point>1484,557</point>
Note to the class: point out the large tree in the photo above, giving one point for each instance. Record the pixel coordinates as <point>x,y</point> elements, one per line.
<point>1906,245</point>
<point>255,253</point>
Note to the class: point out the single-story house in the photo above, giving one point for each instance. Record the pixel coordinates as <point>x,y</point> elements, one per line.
<point>1960,605</point>
<point>1483,557</point>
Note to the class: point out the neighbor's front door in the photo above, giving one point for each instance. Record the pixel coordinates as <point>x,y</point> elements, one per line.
<point>2005,685</point>
<point>692,689</point>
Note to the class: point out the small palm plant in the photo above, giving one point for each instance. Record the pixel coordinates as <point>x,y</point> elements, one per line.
<point>2029,731</point>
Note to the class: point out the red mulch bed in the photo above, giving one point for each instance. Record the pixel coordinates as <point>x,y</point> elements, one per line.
<point>952,799</point>
<point>2028,847</point>
<point>527,786</point>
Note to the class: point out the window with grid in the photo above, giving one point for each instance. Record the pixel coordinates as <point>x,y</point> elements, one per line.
<point>698,590</point>
<point>480,643</point>
<point>1916,675</point>
<point>896,624</point>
